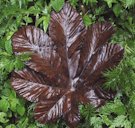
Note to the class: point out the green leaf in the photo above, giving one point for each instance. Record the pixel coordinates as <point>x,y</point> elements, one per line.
<point>20,109</point>
<point>9,35</point>
<point>24,57</point>
<point>11,126</point>
<point>32,126</point>
<point>4,104</point>
<point>129,3</point>
<point>87,20</point>
<point>23,123</point>
<point>87,111</point>
<point>73,2</point>
<point>46,22</point>
<point>6,91</point>
<point>96,122</point>
<point>8,46</point>
<point>120,121</point>
<point>110,2</point>
<point>116,107</point>
<point>89,1</point>
<point>39,21</point>
<point>12,94</point>
<point>13,104</point>
<point>57,4</point>
<point>106,120</point>
<point>117,10</point>
<point>9,66</point>
<point>18,64</point>
<point>3,117</point>
<point>27,19</point>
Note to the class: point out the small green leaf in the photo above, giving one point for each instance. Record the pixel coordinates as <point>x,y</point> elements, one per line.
<point>73,2</point>
<point>40,20</point>
<point>13,104</point>
<point>129,3</point>
<point>46,22</point>
<point>6,92</point>
<point>32,126</point>
<point>119,122</point>
<point>3,117</point>
<point>117,10</point>
<point>110,2</point>
<point>23,123</point>
<point>106,120</point>
<point>18,64</point>
<point>4,104</point>
<point>20,109</point>
<point>8,47</point>
<point>116,107</point>
<point>57,4</point>
<point>87,20</point>
<point>10,65</point>
<point>27,19</point>
<point>9,35</point>
<point>11,126</point>
<point>96,122</point>
<point>89,1</point>
<point>24,56</point>
<point>12,94</point>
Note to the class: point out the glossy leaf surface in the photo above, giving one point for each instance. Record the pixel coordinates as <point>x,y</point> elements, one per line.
<point>66,65</point>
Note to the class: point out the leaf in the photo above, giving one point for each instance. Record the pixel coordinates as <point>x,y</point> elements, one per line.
<point>4,104</point>
<point>38,85</point>
<point>3,117</point>
<point>57,4</point>
<point>89,1</point>
<point>27,19</point>
<point>32,126</point>
<point>73,2</point>
<point>106,120</point>
<point>8,47</point>
<point>129,3</point>
<point>96,122</point>
<point>11,126</point>
<point>18,64</point>
<point>13,104</point>
<point>87,21</point>
<point>45,19</point>
<point>23,122</point>
<point>66,66</point>
<point>120,121</point>
<point>110,2</point>
<point>46,22</point>
<point>117,107</point>
<point>117,10</point>
<point>20,109</point>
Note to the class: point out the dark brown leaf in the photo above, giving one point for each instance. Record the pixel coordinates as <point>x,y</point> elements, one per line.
<point>33,86</point>
<point>66,66</point>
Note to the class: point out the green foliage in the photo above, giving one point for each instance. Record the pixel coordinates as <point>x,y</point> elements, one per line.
<point>88,20</point>
<point>129,3</point>
<point>119,113</point>
<point>110,2</point>
<point>73,2</point>
<point>89,1</point>
<point>57,4</point>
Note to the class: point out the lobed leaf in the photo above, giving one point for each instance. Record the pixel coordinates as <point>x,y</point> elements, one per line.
<point>66,65</point>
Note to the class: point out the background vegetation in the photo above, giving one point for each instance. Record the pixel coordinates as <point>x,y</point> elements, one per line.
<point>119,113</point>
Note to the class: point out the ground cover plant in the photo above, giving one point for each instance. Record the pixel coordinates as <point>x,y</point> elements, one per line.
<point>16,112</point>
